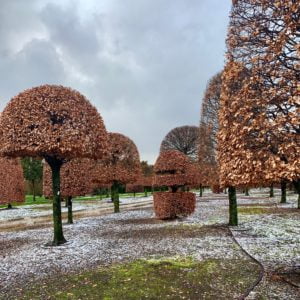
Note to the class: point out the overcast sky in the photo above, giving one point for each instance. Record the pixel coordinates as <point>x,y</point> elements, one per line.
<point>143,63</point>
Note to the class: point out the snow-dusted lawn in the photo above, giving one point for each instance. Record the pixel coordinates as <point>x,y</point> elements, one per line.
<point>273,238</point>
<point>39,210</point>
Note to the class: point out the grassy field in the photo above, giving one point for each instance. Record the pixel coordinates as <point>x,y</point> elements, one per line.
<point>166,278</point>
<point>43,200</point>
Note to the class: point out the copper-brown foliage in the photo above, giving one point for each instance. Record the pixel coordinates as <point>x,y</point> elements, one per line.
<point>173,169</point>
<point>12,187</point>
<point>259,138</point>
<point>183,139</point>
<point>172,205</point>
<point>52,120</point>
<point>75,178</point>
<point>208,129</point>
<point>134,188</point>
<point>122,163</point>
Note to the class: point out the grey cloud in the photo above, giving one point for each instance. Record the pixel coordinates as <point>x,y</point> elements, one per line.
<point>143,63</point>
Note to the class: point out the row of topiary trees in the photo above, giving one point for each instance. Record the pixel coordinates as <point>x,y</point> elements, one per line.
<point>57,124</point>
<point>60,126</point>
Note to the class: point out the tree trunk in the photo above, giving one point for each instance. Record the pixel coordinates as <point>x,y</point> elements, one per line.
<point>115,196</point>
<point>200,191</point>
<point>33,189</point>
<point>271,191</point>
<point>55,165</point>
<point>146,191</point>
<point>70,210</point>
<point>9,206</point>
<point>246,192</point>
<point>233,213</point>
<point>133,194</point>
<point>297,187</point>
<point>283,191</point>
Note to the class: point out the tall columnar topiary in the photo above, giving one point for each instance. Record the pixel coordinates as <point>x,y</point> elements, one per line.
<point>121,166</point>
<point>208,129</point>
<point>173,170</point>
<point>11,181</point>
<point>75,181</point>
<point>263,40</point>
<point>57,124</point>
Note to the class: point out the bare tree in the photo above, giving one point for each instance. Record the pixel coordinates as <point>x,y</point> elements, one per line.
<point>183,139</point>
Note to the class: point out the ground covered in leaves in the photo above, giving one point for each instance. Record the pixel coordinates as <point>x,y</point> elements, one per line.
<point>132,255</point>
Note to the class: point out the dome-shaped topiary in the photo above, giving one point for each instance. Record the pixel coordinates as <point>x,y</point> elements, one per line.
<point>56,123</point>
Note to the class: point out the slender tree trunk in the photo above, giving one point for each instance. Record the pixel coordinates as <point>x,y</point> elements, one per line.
<point>115,196</point>
<point>9,206</point>
<point>107,193</point>
<point>283,191</point>
<point>146,191</point>
<point>66,201</point>
<point>246,192</point>
<point>297,187</point>
<point>200,191</point>
<point>233,213</point>
<point>70,209</point>
<point>55,165</point>
<point>33,189</point>
<point>225,191</point>
<point>271,191</point>
<point>133,194</point>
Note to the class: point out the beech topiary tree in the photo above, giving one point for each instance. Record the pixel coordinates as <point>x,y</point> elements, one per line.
<point>183,139</point>
<point>58,124</point>
<point>122,165</point>
<point>208,129</point>
<point>12,187</point>
<point>172,170</point>
<point>259,140</point>
<point>75,181</point>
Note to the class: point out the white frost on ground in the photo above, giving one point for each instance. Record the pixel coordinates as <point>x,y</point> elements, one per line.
<point>39,210</point>
<point>272,238</point>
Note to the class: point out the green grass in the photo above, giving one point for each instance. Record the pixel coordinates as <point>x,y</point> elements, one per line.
<point>166,278</point>
<point>97,197</point>
<point>29,201</point>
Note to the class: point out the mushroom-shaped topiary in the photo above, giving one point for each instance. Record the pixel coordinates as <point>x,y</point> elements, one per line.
<point>12,181</point>
<point>173,170</point>
<point>121,167</point>
<point>56,123</point>
<point>75,181</point>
